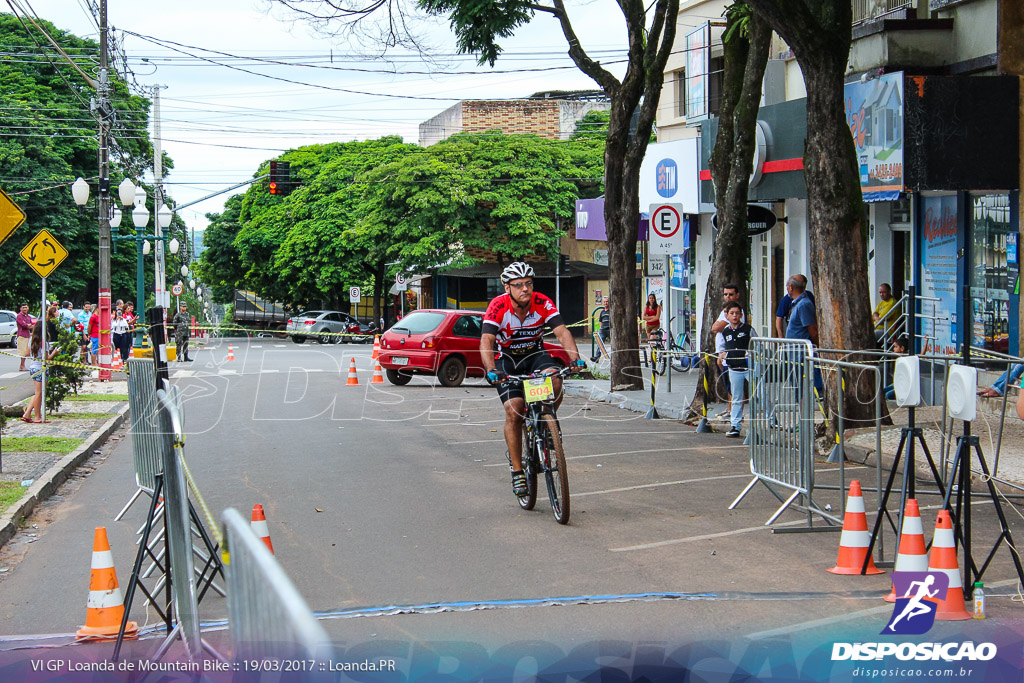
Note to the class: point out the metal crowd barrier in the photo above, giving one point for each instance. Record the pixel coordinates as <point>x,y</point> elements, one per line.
<point>782,424</point>
<point>267,617</point>
<point>142,407</point>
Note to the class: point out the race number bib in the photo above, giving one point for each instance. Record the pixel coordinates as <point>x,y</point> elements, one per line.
<point>539,389</point>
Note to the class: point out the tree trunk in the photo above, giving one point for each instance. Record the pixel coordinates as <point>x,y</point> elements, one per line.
<point>819,31</point>
<point>731,166</point>
<point>622,220</point>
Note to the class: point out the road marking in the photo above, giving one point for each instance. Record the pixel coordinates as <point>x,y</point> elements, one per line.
<point>11,375</point>
<point>280,346</point>
<point>652,450</point>
<point>256,346</point>
<point>704,537</point>
<point>268,372</point>
<point>227,372</point>
<point>184,373</point>
<point>582,434</point>
<point>660,483</point>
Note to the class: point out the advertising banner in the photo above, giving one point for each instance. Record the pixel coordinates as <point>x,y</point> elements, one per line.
<point>938,268</point>
<point>874,111</point>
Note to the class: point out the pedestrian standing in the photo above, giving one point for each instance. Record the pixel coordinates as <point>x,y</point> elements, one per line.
<point>786,304</point>
<point>51,324</point>
<point>83,330</point>
<point>119,329</point>
<point>605,329</point>
<point>182,322</point>
<point>94,337</point>
<point>730,294</point>
<point>732,344</point>
<point>24,322</point>
<point>38,352</point>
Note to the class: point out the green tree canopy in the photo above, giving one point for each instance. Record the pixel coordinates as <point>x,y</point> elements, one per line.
<point>47,139</point>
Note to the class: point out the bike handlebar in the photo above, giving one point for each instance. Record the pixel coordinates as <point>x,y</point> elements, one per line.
<point>562,372</point>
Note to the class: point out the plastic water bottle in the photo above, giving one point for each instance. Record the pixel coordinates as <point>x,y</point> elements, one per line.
<point>979,600</point>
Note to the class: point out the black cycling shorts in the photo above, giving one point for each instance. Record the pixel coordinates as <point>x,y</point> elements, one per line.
<point>520,365</point>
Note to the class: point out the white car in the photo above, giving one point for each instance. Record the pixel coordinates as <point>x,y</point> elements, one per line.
<point>8,328</point>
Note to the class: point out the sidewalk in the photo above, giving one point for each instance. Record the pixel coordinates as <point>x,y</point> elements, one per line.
<point>860,444</point>
<point>84,424</point>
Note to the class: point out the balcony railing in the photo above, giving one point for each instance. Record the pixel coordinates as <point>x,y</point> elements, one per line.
<point>869,10</point>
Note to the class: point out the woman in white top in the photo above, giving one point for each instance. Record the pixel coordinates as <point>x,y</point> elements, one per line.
<point>119,326</point>
<point>35,367</point>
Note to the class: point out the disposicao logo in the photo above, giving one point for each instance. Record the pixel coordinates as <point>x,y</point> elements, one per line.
<point>917,599</point>
<point>667,178</point>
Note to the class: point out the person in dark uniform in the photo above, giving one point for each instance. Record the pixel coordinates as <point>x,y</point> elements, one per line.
<point>182,322</point>
<point>732,344</point>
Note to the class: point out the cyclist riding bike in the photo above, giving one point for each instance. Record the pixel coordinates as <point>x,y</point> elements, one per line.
<point>515,322</point>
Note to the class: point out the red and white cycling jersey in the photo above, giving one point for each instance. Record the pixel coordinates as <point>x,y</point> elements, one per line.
<point>515,336</point>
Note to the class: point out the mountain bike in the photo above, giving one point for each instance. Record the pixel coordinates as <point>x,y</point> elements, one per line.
<point>542,443</point>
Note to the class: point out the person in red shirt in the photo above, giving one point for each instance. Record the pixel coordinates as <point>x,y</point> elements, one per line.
<point>94,336</point>
<point>24,322</point>
<point>514,322</point>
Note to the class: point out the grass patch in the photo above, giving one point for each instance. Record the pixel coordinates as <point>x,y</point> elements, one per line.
<point>96,397</point>
<point>41,444</point>
<point>79,416</point>
<point>10,493</point>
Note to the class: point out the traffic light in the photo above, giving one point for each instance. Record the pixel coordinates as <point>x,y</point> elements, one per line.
<point>275,181</point>
<point>280,180</point>
<point>563,264</point>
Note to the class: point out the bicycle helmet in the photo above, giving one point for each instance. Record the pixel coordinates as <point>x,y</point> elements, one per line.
<point>515,271</point>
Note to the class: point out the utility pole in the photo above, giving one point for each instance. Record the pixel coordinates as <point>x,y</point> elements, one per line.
<point>162,298</point>
<point>104,115</point>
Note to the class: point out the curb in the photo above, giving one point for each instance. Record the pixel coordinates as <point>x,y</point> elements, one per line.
<point>55,476</point>
<point>635,405</point>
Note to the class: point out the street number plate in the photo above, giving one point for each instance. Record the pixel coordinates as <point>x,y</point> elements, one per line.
<point>400,360</point>
<point>539,389</point>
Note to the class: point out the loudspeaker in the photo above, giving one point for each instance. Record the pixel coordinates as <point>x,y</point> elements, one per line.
<point>961,387</point>
<point>906,381</point>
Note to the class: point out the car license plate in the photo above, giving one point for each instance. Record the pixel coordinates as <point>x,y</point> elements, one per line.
<point>400,360</point>
<point>539,389</point>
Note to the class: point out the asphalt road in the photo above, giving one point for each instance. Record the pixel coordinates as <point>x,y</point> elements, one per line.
<point>379,496</point>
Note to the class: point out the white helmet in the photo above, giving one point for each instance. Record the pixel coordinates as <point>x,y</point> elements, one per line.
<point>516,270</point>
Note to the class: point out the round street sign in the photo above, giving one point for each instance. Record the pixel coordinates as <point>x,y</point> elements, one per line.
<point>666,221</point>
<point>400,278</point>
<point>353,294</point>
<point>177,289</point>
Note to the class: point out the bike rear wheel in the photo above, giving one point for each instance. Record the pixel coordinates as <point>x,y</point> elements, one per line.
<point>530,467</point>
<point>555,471</point>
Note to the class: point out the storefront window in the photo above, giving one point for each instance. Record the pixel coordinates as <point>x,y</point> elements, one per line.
<point>990,300</point>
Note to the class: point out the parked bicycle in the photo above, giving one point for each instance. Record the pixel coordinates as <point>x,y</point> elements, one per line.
<point>679,353</point>
<point>542,443</point>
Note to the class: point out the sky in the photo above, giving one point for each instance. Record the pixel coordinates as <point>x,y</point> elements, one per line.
<point>219,123</point>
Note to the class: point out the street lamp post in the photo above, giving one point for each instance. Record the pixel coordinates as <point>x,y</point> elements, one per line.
<point>140,218</point>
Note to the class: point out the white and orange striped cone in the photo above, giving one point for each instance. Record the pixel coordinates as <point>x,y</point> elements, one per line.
<point>105,607</point>
<point>353,378</point>
<point>853,543</point>
<point>116,364</point>
<point>376,348</point>
<point>259,526</point>
<point>943,559</point>
<point>378,376</point>
<point>231,352</point>
<point>912,555</point>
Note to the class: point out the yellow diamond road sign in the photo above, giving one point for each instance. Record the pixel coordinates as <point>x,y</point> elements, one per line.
<point>11,216</point>
<point>44,253</point>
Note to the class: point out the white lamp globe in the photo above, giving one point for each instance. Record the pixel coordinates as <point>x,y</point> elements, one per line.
<point>126,192</point>
<point>115,218</point>
<point>184,270</point>
<point>140,214</point>
<point>163,216</point>
<point>173,246</point>
<point>80,191</point>
<point>145,248</point>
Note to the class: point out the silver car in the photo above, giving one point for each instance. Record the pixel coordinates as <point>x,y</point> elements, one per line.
<point>326,327</point>
<point>8,328</point>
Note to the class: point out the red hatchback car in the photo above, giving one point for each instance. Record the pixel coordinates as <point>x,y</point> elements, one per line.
<point>440,342</point>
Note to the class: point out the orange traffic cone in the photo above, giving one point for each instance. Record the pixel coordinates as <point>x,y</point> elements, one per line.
<point>912,555</point>
<point>231,352</point>
<point>353,378</point>
<point>376,348</point>
<point>378,377</point>
<point>105,607</point>
<point>259,526</point>
<point>943,559</point>
<point>115,363</point>
<point>853,543</point>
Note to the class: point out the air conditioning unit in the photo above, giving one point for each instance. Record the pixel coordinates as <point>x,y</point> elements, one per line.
<point>961,393</point>
<point>906,381</point>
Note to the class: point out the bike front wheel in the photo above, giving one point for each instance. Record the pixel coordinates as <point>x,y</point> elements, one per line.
<point>553,459</point>
<point>530,467</point>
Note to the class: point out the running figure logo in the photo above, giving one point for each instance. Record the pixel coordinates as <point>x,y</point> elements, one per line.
<point>917,598</point>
